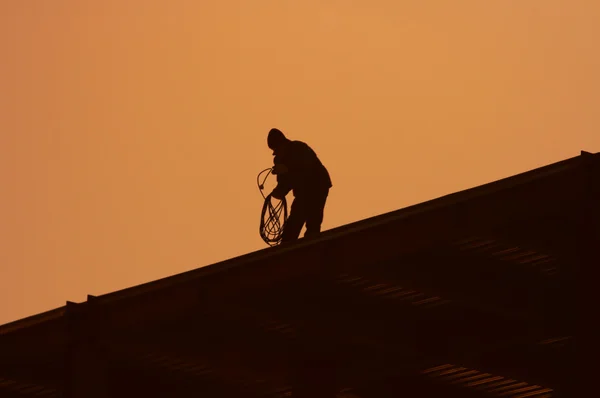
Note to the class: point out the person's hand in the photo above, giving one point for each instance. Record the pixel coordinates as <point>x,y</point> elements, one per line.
<point>280,168</point>
<point>275,194</point>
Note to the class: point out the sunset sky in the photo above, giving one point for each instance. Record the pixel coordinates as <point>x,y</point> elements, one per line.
<point>132,131</point>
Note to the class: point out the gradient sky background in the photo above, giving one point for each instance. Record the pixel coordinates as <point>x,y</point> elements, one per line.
<point>131,132</point>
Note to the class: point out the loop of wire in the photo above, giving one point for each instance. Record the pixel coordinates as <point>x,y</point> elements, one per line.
<point>273,216</point>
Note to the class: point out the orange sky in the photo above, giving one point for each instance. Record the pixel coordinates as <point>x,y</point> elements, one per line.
<point>131,132</point>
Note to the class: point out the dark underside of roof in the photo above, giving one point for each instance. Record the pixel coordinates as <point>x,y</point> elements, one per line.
<point>470,295</point>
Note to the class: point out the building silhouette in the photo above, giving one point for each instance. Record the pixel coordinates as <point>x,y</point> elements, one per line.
<point>474,294</point>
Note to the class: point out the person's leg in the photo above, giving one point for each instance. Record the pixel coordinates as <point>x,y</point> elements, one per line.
<point>295,221</point>
<point>314,213</point>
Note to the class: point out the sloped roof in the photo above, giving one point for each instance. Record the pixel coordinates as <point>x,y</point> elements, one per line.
<point>427,256</point>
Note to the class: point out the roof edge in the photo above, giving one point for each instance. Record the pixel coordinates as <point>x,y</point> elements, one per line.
<point>450,199</point>
<point>32,320</point>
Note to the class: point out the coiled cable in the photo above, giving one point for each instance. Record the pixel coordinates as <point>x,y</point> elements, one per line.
<point>273,216</point>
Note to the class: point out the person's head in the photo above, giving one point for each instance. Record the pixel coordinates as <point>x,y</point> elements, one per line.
<point>276,140</point>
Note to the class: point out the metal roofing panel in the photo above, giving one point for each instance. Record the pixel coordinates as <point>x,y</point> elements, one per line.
<point>283,253</point>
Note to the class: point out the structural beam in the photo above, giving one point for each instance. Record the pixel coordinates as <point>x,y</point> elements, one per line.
<point>86,369</point>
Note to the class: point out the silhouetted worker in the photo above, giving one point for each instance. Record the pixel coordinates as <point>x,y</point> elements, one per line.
<point>299,169</point>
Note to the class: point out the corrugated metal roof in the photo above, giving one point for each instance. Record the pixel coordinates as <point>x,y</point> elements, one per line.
<point>335,233</point>
<point>393,291</point>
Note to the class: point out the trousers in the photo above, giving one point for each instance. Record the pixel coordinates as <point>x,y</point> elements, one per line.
<point>306,209</point>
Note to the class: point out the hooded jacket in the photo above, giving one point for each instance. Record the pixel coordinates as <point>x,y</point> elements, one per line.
<point>305,173</point>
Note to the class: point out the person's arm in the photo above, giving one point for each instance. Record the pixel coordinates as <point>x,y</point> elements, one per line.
<point>282,189</point>
<point>284,185</point>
